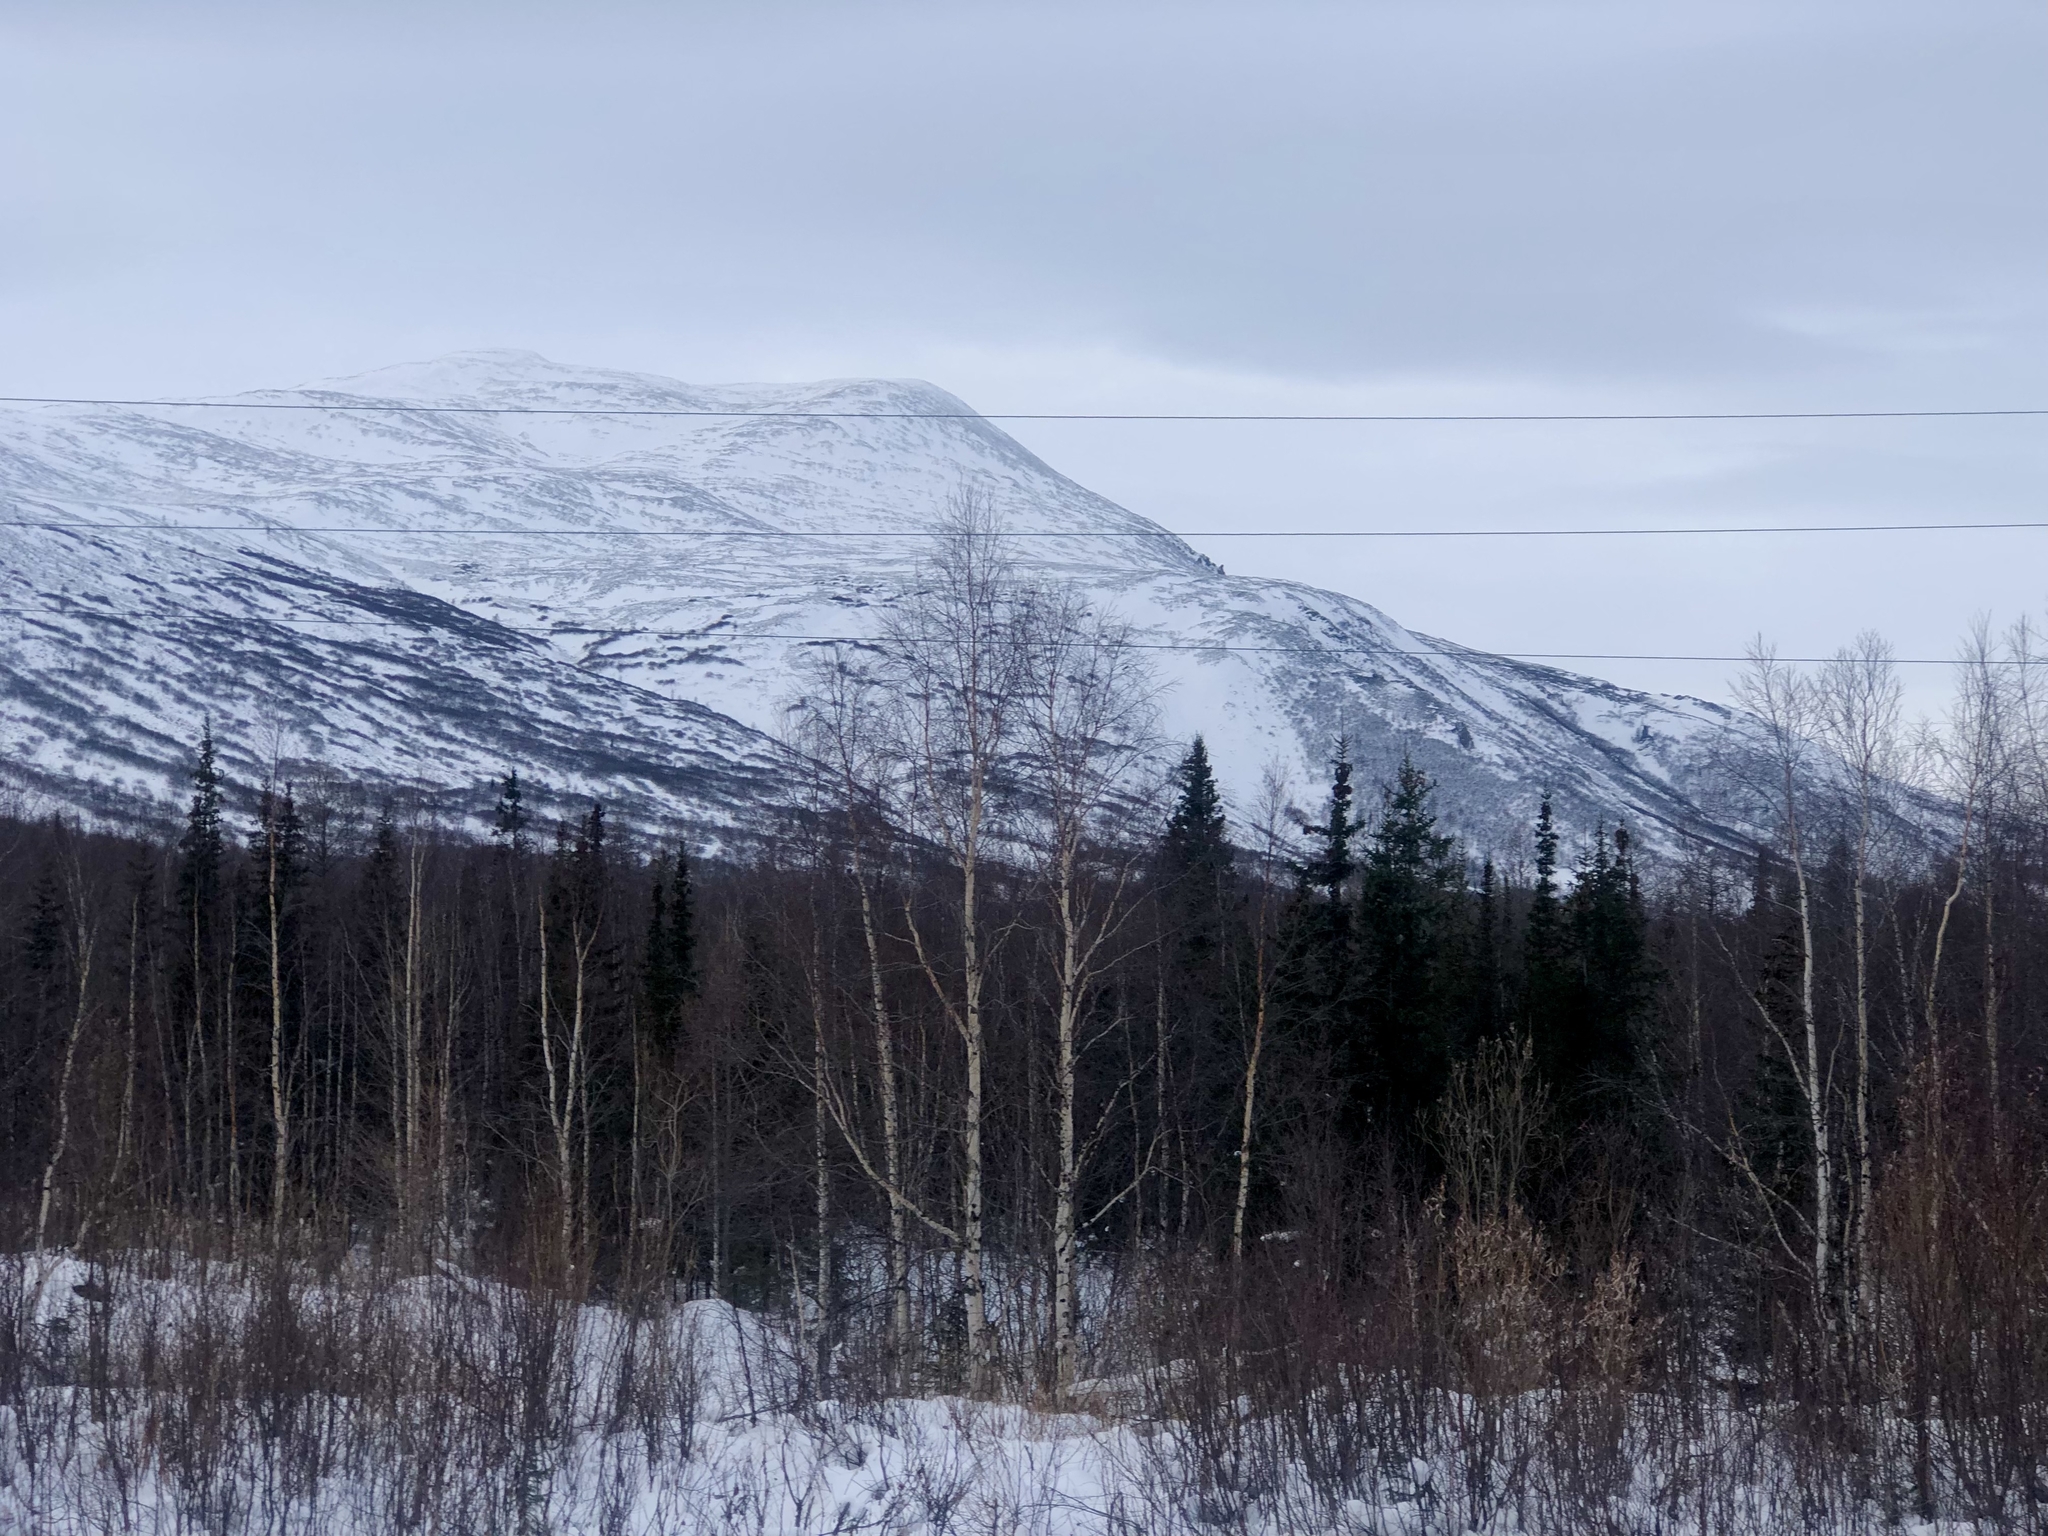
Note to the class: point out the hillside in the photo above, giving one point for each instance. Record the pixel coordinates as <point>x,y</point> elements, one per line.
<point>613,603</point>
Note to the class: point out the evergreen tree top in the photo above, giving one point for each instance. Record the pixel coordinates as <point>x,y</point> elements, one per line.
<point>582,875</point>
<point>510,816</point>
<point>203,843</point>
<point>205,809</point>
<point>1195,832</point>
<point>669,969</point>
<point>1406,841</point>
<point>1332,864</point>
<point>1546,853</point>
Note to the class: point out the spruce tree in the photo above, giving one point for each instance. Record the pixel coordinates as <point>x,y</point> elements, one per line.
<point>202,974</point>
<point>511,981</point>
<point>43,944</point>
<point>277,843</point>
<point>590,863</point>
<point>1546,962</point>
<point>1486,1008</point>
<point>509,817</point>
<point>1408,907</point>
<point>279,833</point>
<point>591,1018</point>
<point>669,971</point>
<point>203,844</point>
<point>1199,992</point>
<point>378,903</point>
<point>1317,982</point>
<point>1769,1111</point>
<point>378,917</point>
<point>33,1006</point>
<point>279,825</point>
<point>1195,869</point>
<point>1331,866</point>
<point>1587,977</point>
<point>1195,830</point>
<point>580,878</point>
<point>1614,981</point>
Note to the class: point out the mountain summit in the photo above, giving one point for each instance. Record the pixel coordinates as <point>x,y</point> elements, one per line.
<point>612,603</point>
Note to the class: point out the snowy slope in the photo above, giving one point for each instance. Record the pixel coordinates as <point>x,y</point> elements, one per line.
<point>613,603</point>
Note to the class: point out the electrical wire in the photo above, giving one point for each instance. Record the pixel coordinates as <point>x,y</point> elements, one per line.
<point>568,410</point>
<point>281,530</point>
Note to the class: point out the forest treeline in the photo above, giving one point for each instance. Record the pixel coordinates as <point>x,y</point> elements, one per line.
<point>1008,1059</point>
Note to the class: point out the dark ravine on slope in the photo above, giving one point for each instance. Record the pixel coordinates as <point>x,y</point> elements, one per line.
<point>454,630</point>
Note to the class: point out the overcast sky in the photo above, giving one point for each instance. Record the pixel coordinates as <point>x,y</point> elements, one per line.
<point>1436,206</point>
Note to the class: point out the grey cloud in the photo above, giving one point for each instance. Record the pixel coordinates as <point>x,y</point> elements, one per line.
<point>1710,205</point>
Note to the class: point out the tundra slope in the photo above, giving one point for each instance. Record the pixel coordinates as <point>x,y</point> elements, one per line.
<point>614,603</point>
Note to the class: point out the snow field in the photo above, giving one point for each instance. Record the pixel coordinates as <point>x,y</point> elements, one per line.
<point>155,1394</point>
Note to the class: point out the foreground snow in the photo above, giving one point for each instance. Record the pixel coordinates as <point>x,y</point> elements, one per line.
<point>167,1396</point>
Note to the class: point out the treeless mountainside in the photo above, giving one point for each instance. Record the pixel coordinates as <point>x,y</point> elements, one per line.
<point>618,603</point>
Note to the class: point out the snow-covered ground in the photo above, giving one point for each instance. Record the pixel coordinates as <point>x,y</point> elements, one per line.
<point>160,1395</point>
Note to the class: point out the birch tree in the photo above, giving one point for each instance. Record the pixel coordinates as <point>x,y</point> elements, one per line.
<point>1783,702</point>
<point>81,922</point>
<point>1965,759</point>
<point>1269,864</point>
<point>954,667</point>
<point>578,921</point>
<point>1859,701</point>
<point>1087,740</point>
<point>839,728</point>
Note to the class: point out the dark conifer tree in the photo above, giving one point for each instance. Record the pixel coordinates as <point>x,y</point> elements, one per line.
<point>1317,982</point>
<point>1612,977</point>
<point>509,999</point>
<point>42,940</point>
<point>509,818</point>
<point>1194,1008</point>
<point>268,961</point>
<point>378,909</point>
<point>1546,960</point>
<point>32,1010</point>
<point>1330,867</point>
<point>1195,862</point>
<point>583,865</point>
<point>1771,1113</point>
<point>587,980</point>
<point>204,844</point>
<point>1409,896</point>
<point>1768,1111</point>
<point>140,960</point>
<point>1487,1005</point>
<point>669,971</point>
<point>379,933</point>
<point>279,828</point>
<point>1587,978</point>
<point>203,971</point>
<point>1196,848</point>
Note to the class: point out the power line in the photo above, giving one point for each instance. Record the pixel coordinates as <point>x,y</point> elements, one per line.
<point>1245,416</point>
<point>603,632</point>
<point>280,530</point>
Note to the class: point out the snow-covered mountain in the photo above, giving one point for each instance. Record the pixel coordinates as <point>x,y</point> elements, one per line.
<point>612,603</point>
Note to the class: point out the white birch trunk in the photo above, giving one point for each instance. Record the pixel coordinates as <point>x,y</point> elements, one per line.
<point>280,1107</point>
<point>84,938</point>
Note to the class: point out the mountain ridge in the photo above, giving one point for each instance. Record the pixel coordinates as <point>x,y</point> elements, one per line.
<point>611,595</point>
